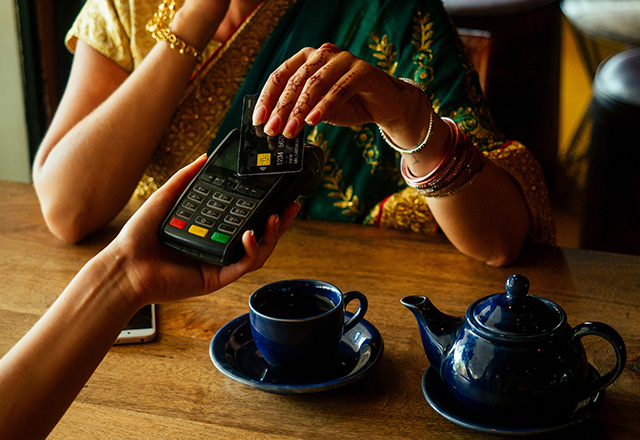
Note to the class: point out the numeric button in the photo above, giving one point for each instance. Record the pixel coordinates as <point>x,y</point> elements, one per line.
<point>218,206</point>
<point>245,204</point>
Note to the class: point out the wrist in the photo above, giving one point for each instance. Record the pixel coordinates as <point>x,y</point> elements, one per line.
<point>460,164</point>
<point>196,27</point>
<point>427,159</point>
<point>411,130</point>
<point>419,134</point>
<point>110,273</point>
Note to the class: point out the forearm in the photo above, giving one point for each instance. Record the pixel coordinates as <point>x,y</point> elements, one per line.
<point>92,171</point>
<point>487,220</point>
<point>107,128</point>
<point>43,373</point>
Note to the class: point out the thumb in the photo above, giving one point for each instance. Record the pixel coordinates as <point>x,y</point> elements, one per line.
<point>160,202</point>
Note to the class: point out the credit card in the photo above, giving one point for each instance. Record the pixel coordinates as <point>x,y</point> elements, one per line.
<point>263,154</point>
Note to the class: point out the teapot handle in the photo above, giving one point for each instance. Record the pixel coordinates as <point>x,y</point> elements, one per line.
<point>613,337</point>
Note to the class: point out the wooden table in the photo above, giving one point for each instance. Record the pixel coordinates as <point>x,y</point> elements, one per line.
<point>170,388</point>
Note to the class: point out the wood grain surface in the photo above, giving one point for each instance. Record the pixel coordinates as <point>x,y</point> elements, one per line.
<point>169,389</point>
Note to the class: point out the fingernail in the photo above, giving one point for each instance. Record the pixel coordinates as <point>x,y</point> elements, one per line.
<point>313,117</point>
<point>290,129</point>
<point>259,115</point>
<point>273,126</point>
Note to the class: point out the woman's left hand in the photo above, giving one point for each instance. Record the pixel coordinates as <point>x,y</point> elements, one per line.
<point>334,86</point>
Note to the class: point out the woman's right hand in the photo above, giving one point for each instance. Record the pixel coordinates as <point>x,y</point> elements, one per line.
<point>330,85</point>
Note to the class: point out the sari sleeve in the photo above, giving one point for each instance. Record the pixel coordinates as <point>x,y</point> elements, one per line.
<point>116,29</point>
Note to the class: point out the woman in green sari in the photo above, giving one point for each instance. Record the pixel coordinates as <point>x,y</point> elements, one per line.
<point>134,112</point>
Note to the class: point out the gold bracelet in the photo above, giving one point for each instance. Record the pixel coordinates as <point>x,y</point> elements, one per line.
<point>158,27</point>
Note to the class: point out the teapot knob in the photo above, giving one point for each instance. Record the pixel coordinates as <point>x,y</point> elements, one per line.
<point>517,287</point>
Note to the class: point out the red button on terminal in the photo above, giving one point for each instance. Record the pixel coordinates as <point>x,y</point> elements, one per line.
<point>177,223</point>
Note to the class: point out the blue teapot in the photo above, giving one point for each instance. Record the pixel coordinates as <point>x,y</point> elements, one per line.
<point>514,354</point>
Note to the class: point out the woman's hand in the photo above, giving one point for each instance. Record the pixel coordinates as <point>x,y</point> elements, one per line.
<point>43,373</point>
<point>487,221</point>
<point>333,86</point>
<point>158,274</point>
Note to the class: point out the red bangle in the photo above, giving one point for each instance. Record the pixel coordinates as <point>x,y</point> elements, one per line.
<point>414,181</point>
<point>456,170</point>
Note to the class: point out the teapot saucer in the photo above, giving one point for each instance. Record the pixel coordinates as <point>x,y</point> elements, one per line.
<point>233,352</point>
<point>441,400</point>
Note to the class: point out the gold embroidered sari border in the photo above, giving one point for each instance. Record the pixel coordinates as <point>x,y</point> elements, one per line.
<point>209,96</point>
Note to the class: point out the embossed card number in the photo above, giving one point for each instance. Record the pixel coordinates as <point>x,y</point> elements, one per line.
<point>263,154</point>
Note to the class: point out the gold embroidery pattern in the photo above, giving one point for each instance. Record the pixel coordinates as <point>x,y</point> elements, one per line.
<point>209,96</point>
<point>479,125</point>
<point>406,210</point>
<point>332,179</point>
<point>384,52</point>
<point>365,139</point>
<point>422,39</point>
<point>520,164</point>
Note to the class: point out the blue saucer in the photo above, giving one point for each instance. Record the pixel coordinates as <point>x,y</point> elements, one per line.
<point>441,399</point>
<point>234,353</point>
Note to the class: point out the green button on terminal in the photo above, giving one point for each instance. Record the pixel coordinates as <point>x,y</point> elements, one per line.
<point>220,237</point>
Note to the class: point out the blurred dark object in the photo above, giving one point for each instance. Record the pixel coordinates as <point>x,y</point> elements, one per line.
<point>523,88</point>
<point>600,29</point>
<point>611,220</point>
<point>43,25</point>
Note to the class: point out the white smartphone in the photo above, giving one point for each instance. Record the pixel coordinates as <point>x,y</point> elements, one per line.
<point>141,328</point>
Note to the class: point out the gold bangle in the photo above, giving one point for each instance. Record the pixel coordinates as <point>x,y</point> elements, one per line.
<point>158,27</point>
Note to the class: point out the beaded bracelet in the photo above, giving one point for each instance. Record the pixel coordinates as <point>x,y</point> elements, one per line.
<point>429,130</point>
<point>460,164</point>
<point>158,27</point>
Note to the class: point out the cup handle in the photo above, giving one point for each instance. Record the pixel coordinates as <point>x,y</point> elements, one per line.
<point>613,337</point>
<point>362,308</point>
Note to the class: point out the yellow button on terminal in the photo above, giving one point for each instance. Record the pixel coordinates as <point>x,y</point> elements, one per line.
<point>197,230</point>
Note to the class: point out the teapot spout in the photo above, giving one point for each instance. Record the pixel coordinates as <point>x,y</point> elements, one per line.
<point>437,330</point>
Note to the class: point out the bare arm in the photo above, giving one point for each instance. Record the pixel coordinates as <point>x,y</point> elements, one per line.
<point>109,123</point>
<point>487,220</point>
<point>42,374</point>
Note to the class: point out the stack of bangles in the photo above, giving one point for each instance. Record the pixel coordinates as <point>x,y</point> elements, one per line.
<point>456,170</point>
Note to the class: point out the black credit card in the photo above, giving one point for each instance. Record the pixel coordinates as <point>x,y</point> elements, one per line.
<point>263,154</point>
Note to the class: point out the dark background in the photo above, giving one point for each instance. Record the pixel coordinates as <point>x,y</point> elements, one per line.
<point>42,25</point>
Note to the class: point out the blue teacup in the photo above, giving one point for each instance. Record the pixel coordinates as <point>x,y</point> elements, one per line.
<point>297,324</point>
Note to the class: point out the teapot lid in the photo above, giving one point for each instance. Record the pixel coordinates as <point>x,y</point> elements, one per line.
<point>516,314</point>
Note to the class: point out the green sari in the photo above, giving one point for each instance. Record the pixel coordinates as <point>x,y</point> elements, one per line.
<point>413,39</point>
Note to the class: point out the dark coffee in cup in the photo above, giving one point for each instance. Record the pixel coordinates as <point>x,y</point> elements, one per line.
<point>297,306</point>
<point>297,324</point>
